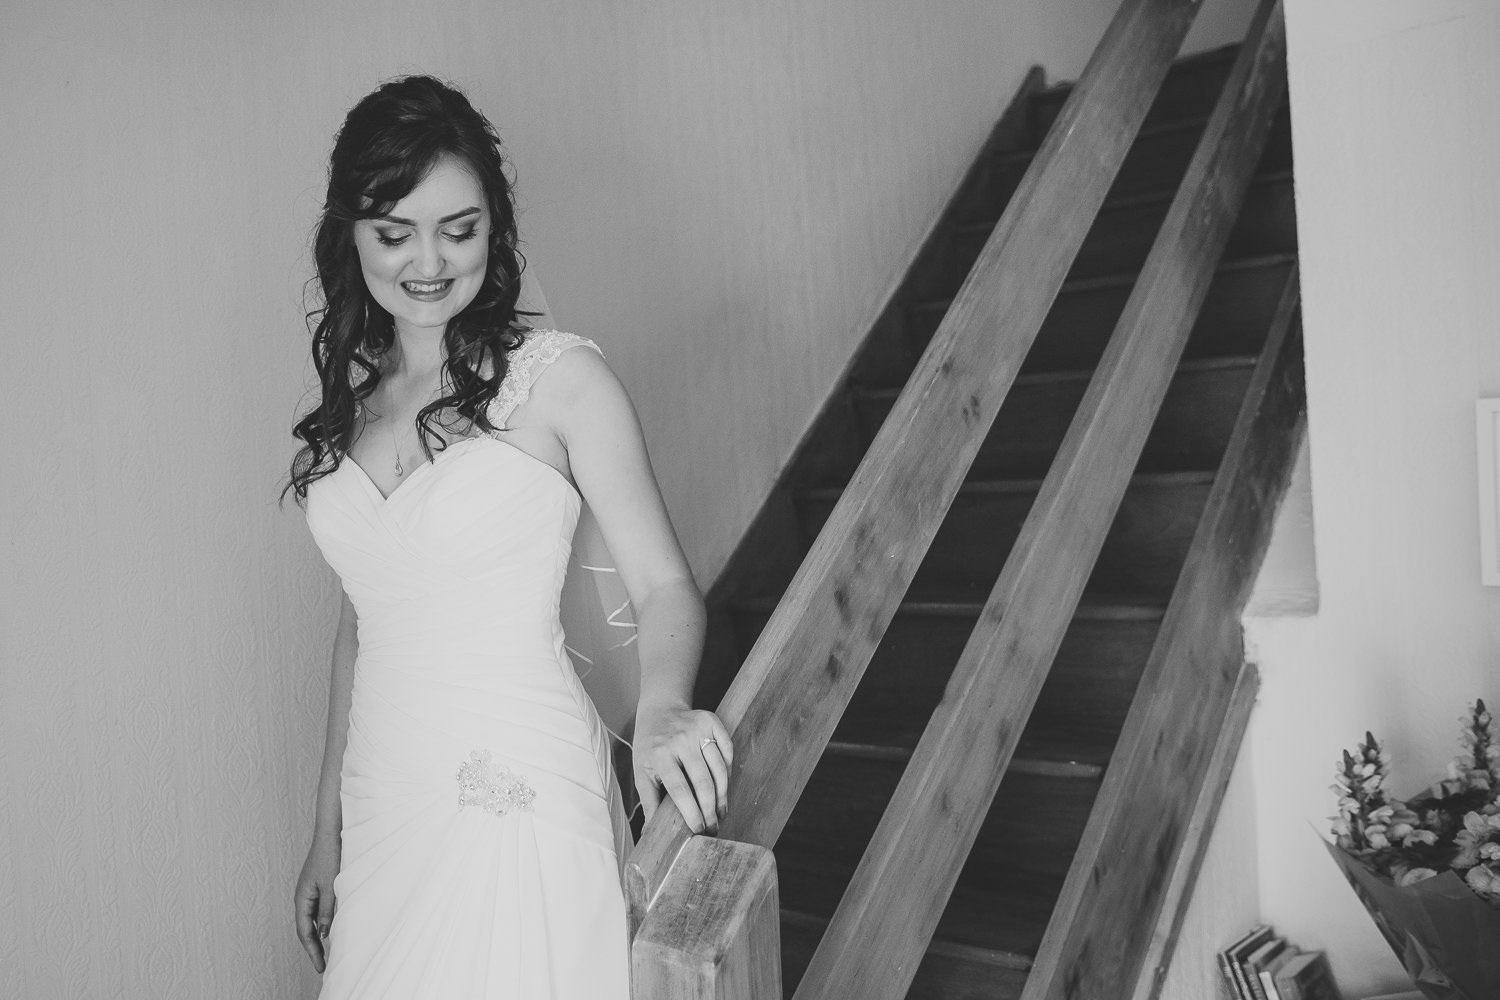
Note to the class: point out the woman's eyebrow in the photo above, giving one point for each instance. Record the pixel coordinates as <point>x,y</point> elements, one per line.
<point>442,222</point>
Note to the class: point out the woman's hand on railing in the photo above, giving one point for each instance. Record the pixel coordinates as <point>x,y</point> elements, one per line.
<point>688,754</point>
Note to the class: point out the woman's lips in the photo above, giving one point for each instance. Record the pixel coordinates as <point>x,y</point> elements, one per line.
<point>427,291</point>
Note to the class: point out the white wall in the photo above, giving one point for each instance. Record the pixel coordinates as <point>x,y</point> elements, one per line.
<point>1396,136</point>
<point>720,193</point>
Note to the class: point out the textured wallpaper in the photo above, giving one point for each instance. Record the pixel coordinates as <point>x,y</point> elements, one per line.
<point>720,194</point>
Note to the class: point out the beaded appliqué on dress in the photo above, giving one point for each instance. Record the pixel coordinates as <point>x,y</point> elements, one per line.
<point>492,787</point>
<point>540,349</point>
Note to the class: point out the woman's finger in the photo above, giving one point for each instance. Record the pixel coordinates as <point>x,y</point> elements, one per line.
<point>723,739</point>
<point>701,781</point>
<point>326,905</point>
<point>719,768</point>
<point>648,790</point>
<point>684,799</point>
<point>307,931</point>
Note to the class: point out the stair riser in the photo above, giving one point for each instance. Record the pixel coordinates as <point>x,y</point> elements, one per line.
<point>1157,161</point>
<point>939,977</point>
<point>1077,716</point>
<point>1233,321</point>
<point>1189,91</point>
<point>1142,553</point>
<point>1026,842</point>
<point>1121,238</point>
<point>1190,433</point>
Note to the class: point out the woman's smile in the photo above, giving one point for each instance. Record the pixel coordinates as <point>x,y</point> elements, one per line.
<point>428,291</point>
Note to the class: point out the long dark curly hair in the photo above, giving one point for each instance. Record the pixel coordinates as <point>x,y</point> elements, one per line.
<point>388,144</point>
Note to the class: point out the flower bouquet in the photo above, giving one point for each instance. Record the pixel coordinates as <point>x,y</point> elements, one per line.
<point>1428,869</point>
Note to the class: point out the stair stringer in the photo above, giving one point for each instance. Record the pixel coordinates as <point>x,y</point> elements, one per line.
<point>1154,815</point>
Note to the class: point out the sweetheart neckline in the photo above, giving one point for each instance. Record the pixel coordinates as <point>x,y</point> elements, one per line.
<point>385,498</point>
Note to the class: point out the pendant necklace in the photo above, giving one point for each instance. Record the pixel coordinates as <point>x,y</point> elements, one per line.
<point>397,445</point>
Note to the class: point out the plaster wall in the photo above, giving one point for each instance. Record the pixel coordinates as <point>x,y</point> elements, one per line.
<point>1395,136</point>
<point>719,193</point>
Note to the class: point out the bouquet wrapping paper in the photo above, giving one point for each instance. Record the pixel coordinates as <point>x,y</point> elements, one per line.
<point>1447,937</point>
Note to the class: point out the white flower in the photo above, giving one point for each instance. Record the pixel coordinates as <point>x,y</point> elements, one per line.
<point>1483,881</point>
<point>1474,837</point>
<point>1419,837</point>
<point>1416,875</point>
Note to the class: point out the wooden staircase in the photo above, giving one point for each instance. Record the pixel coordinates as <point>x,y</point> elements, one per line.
<point>994,923</point>
<point>1160,601</point>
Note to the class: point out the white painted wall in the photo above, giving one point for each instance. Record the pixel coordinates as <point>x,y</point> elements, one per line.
<point>720,193</point>
<point>1396,137</point>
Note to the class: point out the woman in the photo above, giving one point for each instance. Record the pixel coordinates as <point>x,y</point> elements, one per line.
<point>442,475</point>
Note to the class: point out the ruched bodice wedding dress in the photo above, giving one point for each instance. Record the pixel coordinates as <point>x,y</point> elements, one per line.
<point>482,832</point>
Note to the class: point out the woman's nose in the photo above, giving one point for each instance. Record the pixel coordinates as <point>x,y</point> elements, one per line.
<point>429,258</point>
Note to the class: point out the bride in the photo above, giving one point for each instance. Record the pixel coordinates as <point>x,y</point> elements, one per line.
<point>468,829</point>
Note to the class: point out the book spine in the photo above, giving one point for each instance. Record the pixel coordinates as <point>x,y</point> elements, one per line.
<point>1226,966</point>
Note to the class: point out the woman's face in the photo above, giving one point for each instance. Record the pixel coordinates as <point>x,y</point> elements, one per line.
<point>425,260</point>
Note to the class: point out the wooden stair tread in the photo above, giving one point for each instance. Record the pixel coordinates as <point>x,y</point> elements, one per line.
<point>1233,320</point>
<point>1125,203</point>
<point>1190,431</point>
<point>1031,833</point>
<point>1188,124</point>
<point>1222,57</point>
<point>1008,921</point>
<point>1143,550</point>
<point>1191,87</point>
<point>993,957</point>
<point>1233,362</point>
<point>948,971</point>
<point>992,487</point>
<point>1121,235</point>
<point>964,604</point>
<point>1038,766</point>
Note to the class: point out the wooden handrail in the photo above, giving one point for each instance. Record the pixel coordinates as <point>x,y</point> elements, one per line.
<point>877,936</point>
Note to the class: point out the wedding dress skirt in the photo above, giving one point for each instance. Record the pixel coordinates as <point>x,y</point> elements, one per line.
<point>482,829</point>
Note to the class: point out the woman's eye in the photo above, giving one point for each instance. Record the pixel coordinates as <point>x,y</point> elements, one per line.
<point>464,236</point>
<point>391,239</point>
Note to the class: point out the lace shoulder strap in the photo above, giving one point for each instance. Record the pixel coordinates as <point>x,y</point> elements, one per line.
<point>527,362</point>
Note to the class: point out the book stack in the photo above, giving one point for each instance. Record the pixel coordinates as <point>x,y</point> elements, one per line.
<point>1262,966</point>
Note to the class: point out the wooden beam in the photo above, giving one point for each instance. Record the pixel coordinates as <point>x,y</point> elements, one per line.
<point>1179,889</point>
<point>1103,926</point>
<point>715,935</point>
<point>786,701</point>
<point>881,928</point>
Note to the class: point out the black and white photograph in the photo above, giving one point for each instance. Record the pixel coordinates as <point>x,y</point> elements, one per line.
<point>706,500</point>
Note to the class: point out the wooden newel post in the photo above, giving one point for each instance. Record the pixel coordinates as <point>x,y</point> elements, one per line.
<point>713,932</point>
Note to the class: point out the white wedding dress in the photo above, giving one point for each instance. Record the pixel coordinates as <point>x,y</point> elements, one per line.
<point>482,827</point>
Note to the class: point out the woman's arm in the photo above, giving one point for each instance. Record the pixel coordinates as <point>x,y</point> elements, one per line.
<point>586,406</point>
<point>314,893</point>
